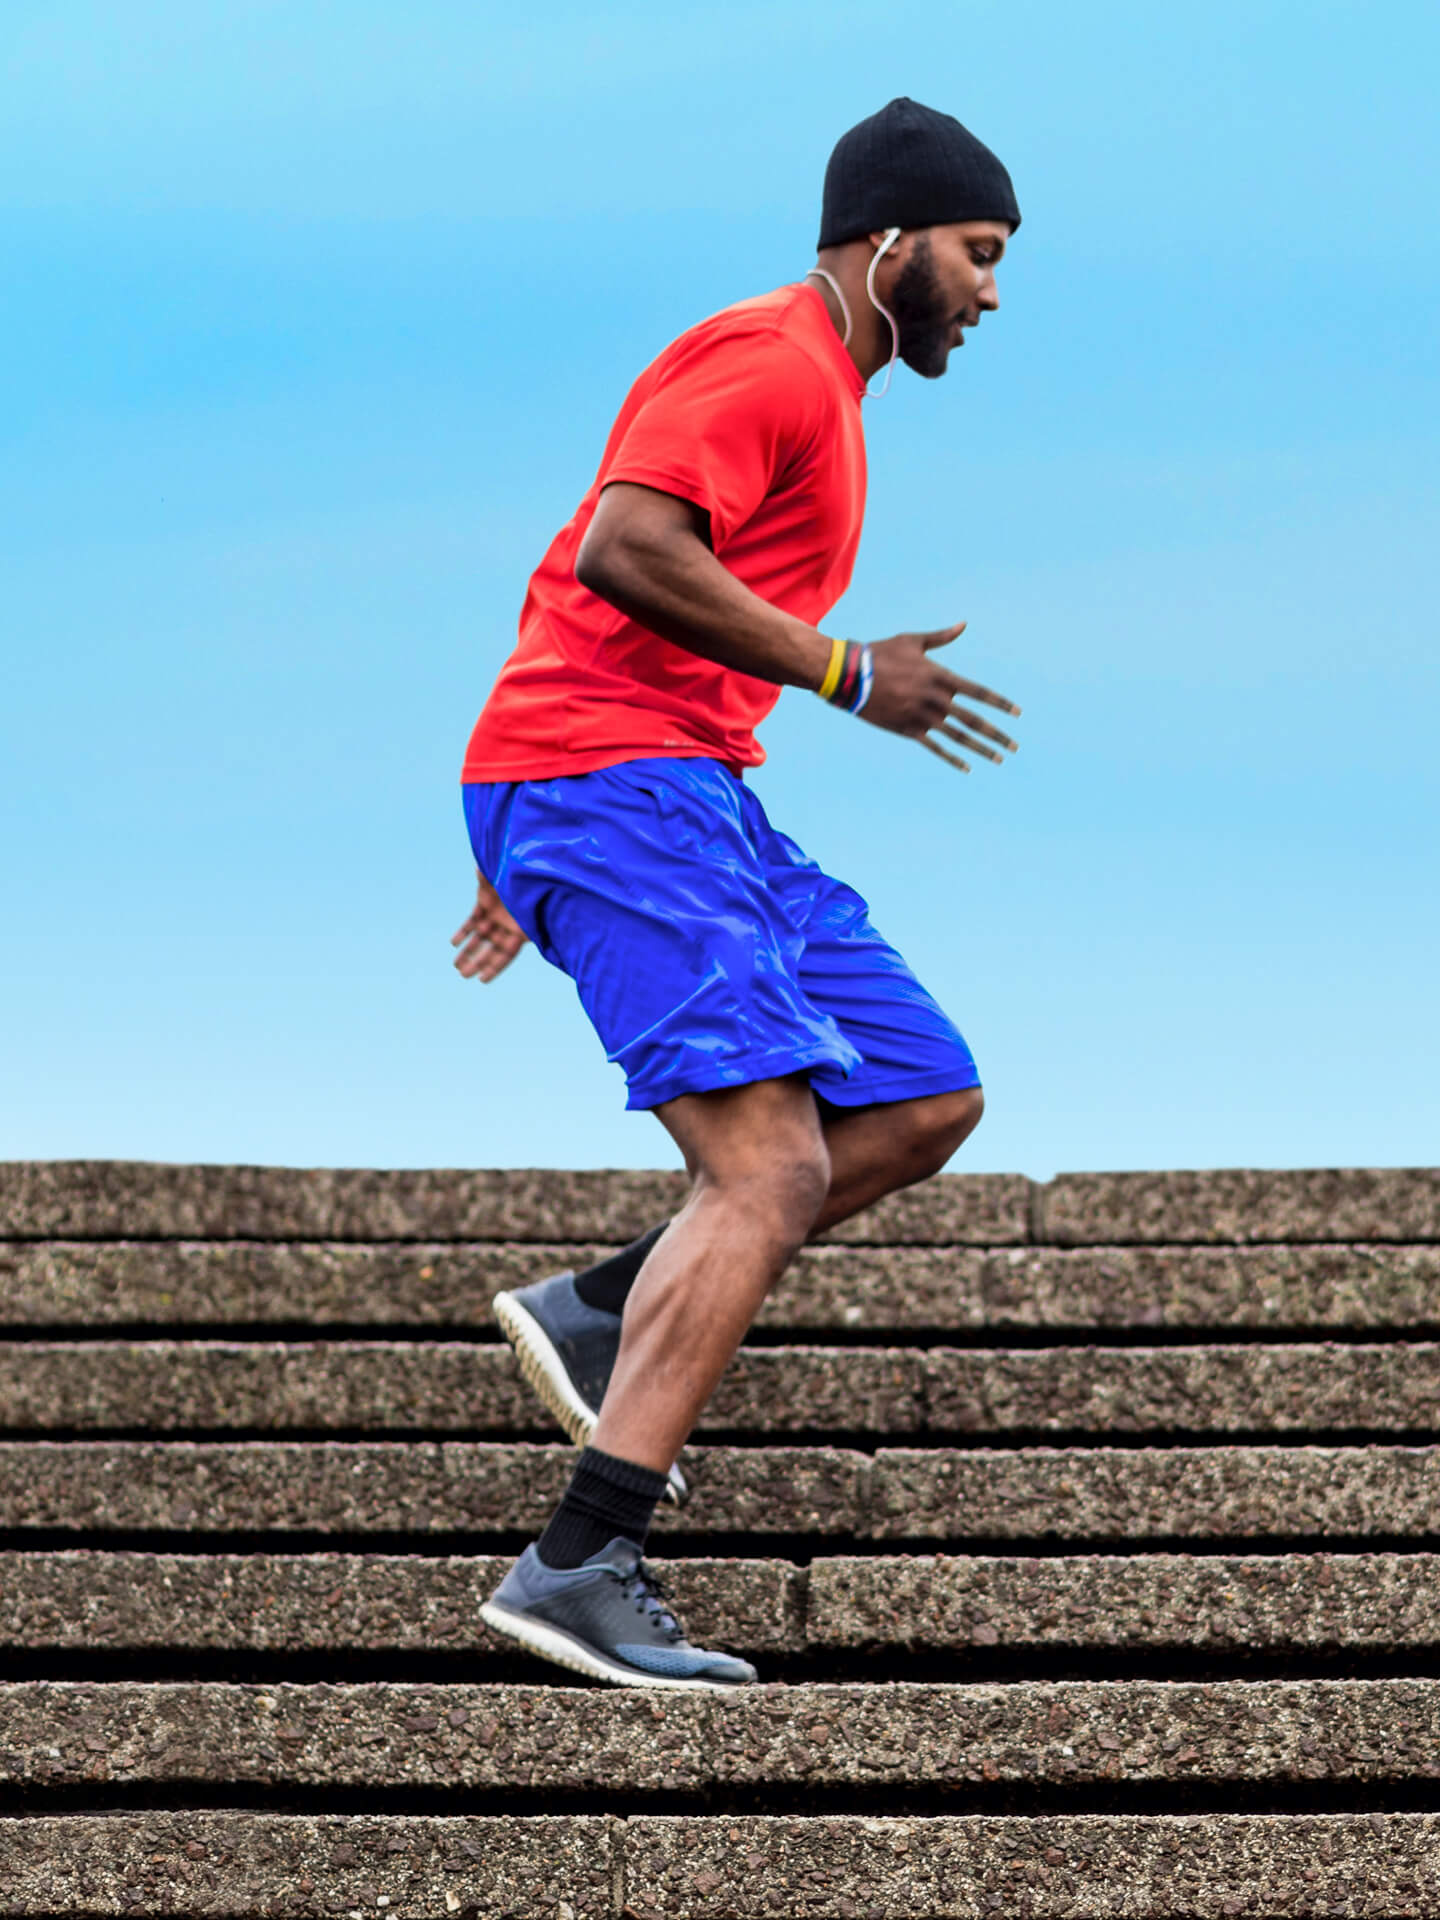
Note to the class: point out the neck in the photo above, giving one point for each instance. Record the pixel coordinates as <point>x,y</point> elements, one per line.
<point>869,342</point>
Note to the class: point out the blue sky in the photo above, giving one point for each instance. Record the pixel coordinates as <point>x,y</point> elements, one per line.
<point>314,319</point>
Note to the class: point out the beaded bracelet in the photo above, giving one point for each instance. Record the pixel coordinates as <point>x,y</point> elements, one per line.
<point>849,676</point>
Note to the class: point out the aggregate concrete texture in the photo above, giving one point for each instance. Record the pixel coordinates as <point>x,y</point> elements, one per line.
<point>636,1740</point>
<point>1205,1867</point>
<point>1270,1289</point>
<point>1152,1551</point>
<point>110,1199</point>
<point>100,1199</point>
<point>1304,1388</point>
<point>448,1386</point>
<point>365,1601</point>
<point>1240,1206</point>
<point>1265,1289</point>
<point>1154,1493</point>
<point>1082,1494</point>
<point>439,1386</point>
<point>1223,1603</point>
<point>1231,1604</point>
<point>417,1487</point>
<point>240,1866</point>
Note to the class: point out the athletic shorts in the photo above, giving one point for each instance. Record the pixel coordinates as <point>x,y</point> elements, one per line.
<point>708,951</point>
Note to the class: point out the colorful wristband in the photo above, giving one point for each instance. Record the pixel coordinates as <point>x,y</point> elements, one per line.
<point>867,679</point>
<point>849,677</point>
<point>827,686</point>
<point>848,691</point>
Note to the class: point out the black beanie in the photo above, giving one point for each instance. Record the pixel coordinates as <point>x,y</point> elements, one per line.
<point>909,166</point>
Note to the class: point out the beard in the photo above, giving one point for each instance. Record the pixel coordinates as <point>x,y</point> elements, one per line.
<point>922,318</point>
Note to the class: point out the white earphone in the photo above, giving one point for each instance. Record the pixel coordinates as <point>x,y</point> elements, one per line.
<point>892,235</point>
<point>884,247</point>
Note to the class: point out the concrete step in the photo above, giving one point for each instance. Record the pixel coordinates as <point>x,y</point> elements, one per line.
<point>237,1866</point>
<point>461,1387</point>
<point>240,1866</point>
<point>108,1199</point>
<point>398,1487</point>
<point>83,1283</point>
<point>440,1386</point>
<point>1217,1603</point>
<point>1153,1493</point>
<point>405,1603</point>
<point>1121,1494</point>
<point>625,1740</point>
<point>1220,1603</point>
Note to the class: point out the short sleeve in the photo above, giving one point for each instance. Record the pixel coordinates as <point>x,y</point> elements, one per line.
<point>721,425</point>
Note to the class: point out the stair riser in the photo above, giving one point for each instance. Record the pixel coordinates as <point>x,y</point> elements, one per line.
<point>110,1199</point>
<point>619,1740</point>
<point>1315,1289</point>
<point>237,1866</point>
<point>449,1386</point>
<point>1277,1604</point>
<point>1057,1495</point>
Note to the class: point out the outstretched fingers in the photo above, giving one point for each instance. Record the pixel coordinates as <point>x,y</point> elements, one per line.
<point>934,747</point>
<point>974,746</point>
<point>977,725</point>
<point>972,690</point>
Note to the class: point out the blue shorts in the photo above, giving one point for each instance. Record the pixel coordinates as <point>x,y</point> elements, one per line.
<point>707,949</point>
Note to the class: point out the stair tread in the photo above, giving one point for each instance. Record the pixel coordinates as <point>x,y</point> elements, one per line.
<point>1262,1289</point>
<point>625,1739</point>
<point>460,1387</point>
<point>1129,1494</point>
<point>238,1865</point>
<point>102,1199</point>
<point>1226,1603</point>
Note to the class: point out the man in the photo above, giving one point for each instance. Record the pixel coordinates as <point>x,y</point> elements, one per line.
<point>788,1050</point>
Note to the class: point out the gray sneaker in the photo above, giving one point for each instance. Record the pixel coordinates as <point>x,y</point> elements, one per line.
<point>608,1618</point>
<point>567,1352</point>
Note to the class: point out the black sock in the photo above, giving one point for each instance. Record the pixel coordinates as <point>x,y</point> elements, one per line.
<point>606,1498</point>
<point>607,1284</point>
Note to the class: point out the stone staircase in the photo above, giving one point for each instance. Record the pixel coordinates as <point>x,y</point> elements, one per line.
<point>1085,1534</point>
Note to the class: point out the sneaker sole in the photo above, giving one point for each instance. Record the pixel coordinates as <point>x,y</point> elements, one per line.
<point>545,1372</point>
<point>564,1650</point>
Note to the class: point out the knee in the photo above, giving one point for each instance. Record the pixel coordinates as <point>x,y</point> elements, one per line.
<point>778,1195</point>
<point>796,1185</point>
<point>940,1126</point>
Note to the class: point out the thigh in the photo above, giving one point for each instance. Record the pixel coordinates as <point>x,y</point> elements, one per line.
<point>756,1133</point>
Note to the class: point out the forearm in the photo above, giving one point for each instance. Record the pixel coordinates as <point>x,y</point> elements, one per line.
<point>675,586</point>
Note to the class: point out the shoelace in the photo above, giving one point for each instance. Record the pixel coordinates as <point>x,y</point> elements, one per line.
<point>647,1590</point>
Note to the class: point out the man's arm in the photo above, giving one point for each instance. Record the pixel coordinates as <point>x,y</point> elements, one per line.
<point>648,554</point>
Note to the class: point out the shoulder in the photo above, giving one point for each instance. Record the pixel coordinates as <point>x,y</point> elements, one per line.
<point>762,343</point>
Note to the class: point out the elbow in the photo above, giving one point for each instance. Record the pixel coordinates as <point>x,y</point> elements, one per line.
<point>598,566</point>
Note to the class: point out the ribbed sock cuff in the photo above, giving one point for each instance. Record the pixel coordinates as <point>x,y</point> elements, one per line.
<point>608,1498</point>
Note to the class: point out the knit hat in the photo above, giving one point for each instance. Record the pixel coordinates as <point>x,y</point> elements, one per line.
<point>909,166</point>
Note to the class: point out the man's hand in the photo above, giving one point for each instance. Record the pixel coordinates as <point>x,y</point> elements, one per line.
<point>916,696</point>
<point>489,940</point>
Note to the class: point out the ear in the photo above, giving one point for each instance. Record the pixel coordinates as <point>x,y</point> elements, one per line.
<point>886,237</point>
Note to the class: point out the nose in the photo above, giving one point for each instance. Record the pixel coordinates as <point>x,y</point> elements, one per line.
<point>987,298</point>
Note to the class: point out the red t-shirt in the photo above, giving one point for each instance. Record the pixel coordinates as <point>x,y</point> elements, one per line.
<point>754,415</point>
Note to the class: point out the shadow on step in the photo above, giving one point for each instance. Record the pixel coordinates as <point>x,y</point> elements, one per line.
<point>1130,1798</point>
<point>485,1666</point>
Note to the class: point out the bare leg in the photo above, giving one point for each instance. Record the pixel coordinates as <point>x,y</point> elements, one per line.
<point>761,1172</point>
<point>877,1150</point>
